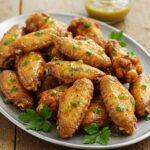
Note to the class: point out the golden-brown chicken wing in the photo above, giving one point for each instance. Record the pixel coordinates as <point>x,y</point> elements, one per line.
<point>73,106</point>
<point>118,102</point>
<point>51,97</point>
<point>7,55</point>
<point>140,89</point>
<point>35,41</point>
<point>96,113</point>
<point>30,70</point>
<point>125,64</point>
<point>14,91</point>
<point>70,71</point>
<point>40,21</point>
<point>88,28</point>
<point>86,50</point>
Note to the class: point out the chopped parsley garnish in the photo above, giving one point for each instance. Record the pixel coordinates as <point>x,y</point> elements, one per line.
<point>11,80</point>
<point>26,62</point>
<point>66,106</point>
<point>61,89</point>
<point>119,37</point>
<point>94,135</point>
<point>123,96</point>
<point>13,89</point>
<point>120,107</point>
<point>143,86</point>
<point>37,57</point>
<point>132,101</point>
<point>147,118</point>
<point>89,52</point>
<point>37,121</point>
<point>80,62</point>
<point>31,53</point>
<point>74,47</point>
<point>47,19</point>
<point>6,42</point>
<point>87,25</point>
<point>13,38</point>
<point>59,62</point>
<point>130,54</point>
<point>75,104</point>
<point>97,110</point>
<point>75,69</point>
<point>53,92</point>
<point>40,32</point>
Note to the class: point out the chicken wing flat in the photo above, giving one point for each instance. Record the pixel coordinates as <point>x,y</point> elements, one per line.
<point>30,70</point>
<point>70,71</point>
<point>88,28</point>
<point>86,50</point>
<point>73,106</point>
<point>35,41</point>
<point>140,89</point>
<point>96,113</point>
<point>51,97</point>
<point>14,91</point>
<point>7,55</point>
<point>40,21</point>
<point>118,102</point>
<point>125,64</point>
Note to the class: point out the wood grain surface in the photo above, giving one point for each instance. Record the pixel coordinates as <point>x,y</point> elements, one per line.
<point>137,25</point>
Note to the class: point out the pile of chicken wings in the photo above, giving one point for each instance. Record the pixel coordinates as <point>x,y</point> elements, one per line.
<point>73,69</point>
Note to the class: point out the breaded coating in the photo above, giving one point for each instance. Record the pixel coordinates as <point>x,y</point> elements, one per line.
<point>35,41</point>
<point>14,91</point>
<point>51,97</point>
<point>96,113</point>
<point>126,65</point>
<point>73,106</point>
<point>7,55</point>
<point>30,70</point>
<point>118,102</point>
<point>86,50</point>
<point>87,27</point>
<point>70,71</point>
<point>140,89</point>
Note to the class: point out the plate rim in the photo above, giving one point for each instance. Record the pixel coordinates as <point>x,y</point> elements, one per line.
<point>62,143</point>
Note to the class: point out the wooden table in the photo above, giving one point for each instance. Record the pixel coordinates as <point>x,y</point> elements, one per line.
<point>137,25</point>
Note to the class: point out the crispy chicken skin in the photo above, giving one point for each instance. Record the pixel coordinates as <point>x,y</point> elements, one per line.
<point>35,41</point>
<point>140,89</point>
<point>70,71</point>
<point>30,70</point>
<point>87,50</point>
<point>118,102</point>
<point>87,28</point>
<point>73,106</point>
<point>14,91</point>
<point>126,66</point>
<point>51,97</point>
<point>7,55</point>
<point>96,113</point>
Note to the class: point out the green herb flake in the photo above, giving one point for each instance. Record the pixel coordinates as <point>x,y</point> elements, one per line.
<point>74,47</point>
<point>86,25</point>
<point>143,86</point>
<point>11,80</point>
<point>13,38</point>
<point>47,19</point>
<point>26,62</point>
<point>91,129</point>
<point>75,104</point>
<point>123,96</point>
<point>61,89</point>
<point>97,110</point>
<point>59,62</point>
<point>32,53</point>
<point>13,89</point>
<point>80,62</point>
<point>53,92</point>
<point>132,101</point>
<point>66,106</point>
<point>147,118</point>
<point>6,42</point>
<point>37,121</point>
<point>40,32</point>
<point>75,69</point>
<point>37,57</point>
<point>89,52</point>
<point>120,107</point>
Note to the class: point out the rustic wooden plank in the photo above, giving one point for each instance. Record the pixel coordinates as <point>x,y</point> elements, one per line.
<point>135,25</point>
<point>8,9</point>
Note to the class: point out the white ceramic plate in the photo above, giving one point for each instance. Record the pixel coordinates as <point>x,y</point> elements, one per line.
<point>143,128</point>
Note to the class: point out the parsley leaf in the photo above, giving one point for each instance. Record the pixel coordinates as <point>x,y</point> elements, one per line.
<point>37,121</point>
<point>147,118</point>
<point>89,139</point>
<point>87,25</point>
<point>91,129</point>
<point>119,37</point>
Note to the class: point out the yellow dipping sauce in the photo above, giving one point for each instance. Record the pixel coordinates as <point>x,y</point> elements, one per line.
<point>109,11</point>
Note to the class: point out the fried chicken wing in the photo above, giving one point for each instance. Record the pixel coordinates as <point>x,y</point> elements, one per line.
<point>96,113</point>
<point>118,102</point>
<point>140,89</point>
<point>86,50</point>
<point>70,71</point>
<point>88,28</point>
<point>7,55</point>
<point>30,70</point>
<point>51,97</point>
<point>126,65</point>
<point>14,91</point>
<point>73,106</point>
<point>35,41</point>
<point>40,21</point>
